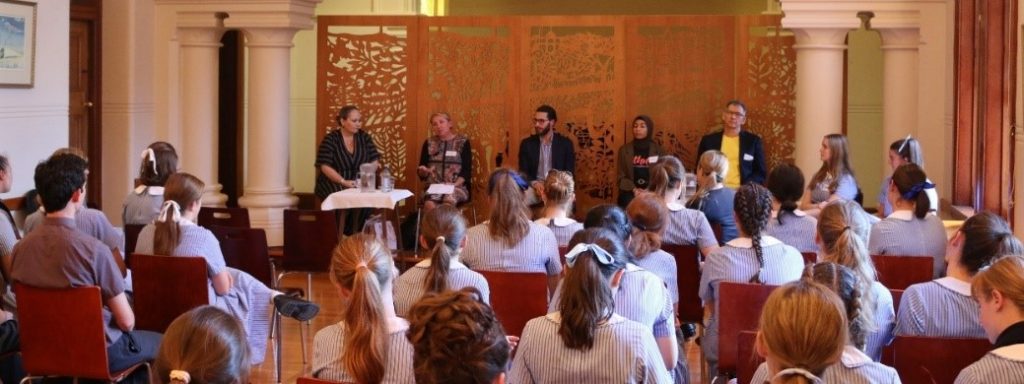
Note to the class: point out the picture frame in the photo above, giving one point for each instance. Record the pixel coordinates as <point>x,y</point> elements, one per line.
<point>17,43</point>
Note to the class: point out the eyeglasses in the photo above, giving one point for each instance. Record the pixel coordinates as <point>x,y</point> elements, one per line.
<point>541,121</point>
<point>735,114</point>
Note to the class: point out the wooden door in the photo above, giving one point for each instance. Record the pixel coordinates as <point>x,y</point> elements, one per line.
<point>84,85</point>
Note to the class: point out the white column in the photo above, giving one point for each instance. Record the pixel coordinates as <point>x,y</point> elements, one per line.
<point>819,91</point>
<point>200,63</point>
<point>899,85</point>
<point>267,192</point>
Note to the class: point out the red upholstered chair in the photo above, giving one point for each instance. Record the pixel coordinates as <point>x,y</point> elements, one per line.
<point>739,309</point>
<point>517,297</point>
<point>747,358</point>
<point>224,217</point>
<point>165,287</point>
<point>899,272</point>
<point>691,309</point>
<point>309,240</point>
<point>809,257</point>
<point>897,295</point>
<point>62,334</point>
<point>131,237</point>
<point>245,249</point>
<point>942,362</point>
<point>311,380</point>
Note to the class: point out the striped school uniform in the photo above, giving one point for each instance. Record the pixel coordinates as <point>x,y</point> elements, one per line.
<point>885,322</point>
<point>641,297</point>
<point>663,265</point>
<point>883,197</point>
<point>902,234</point>
<point>248,300</point>
<point>796,230</point>
<point>562,227</point>
<point>410,286</point>
<point>142,205</point>
<point>536,252</point>
<point>1004,364</point>
<point>329,347</point>
<point>939,308</point>
<point>688,227</point>
<point>846,189</point>
<point>736,262</point>
<point>623,352</point>
<point>854,367</point>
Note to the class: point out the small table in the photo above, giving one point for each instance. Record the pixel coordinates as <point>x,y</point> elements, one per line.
<point>354,198</point>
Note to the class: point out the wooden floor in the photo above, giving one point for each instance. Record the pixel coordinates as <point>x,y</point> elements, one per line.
<point>330,310</point>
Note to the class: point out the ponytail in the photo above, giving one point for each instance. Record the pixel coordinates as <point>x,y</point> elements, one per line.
<point>711,170</point>
<point>587,298</point>
<point>649,216</point>
<point>666,174</point>
<point>911,183</point>
<point>181,191</point>
<point>445,227</point>
<point>440,261</point>
<point>786,183</point>
<point>363,265</point>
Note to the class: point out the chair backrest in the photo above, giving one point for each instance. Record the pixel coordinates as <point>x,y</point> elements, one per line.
<point>165,287</point>
<point>897,295</point>
<point>62,332</point>
<point>691,310</point>
<point>309,239</point>
<point>246,249</point>
<point>517,297</point>
<point>313,380</point>
<point>809,257</point>
<point>739,309</point>
<point>224,217</point>
<point>899,272</point>
<point>747,359</point>
<point>942,362</point>
<point>131,237</point>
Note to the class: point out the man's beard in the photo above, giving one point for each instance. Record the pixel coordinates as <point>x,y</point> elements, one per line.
<point>545,130</point>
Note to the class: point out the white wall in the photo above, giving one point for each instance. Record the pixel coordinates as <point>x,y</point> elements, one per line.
<point>34,121</point>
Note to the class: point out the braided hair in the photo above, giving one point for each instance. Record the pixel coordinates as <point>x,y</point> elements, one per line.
<point>845,283</point>
<point>753,207</point>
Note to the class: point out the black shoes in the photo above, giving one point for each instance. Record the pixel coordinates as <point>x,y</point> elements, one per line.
<point>295,308</point>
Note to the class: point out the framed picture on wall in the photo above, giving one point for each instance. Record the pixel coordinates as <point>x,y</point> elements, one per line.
<point>17,43</point>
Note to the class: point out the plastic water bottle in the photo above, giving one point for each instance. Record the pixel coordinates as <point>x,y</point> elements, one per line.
<point>387,183</point>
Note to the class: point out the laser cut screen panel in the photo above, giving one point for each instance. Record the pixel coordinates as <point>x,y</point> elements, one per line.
<point>490,74</point>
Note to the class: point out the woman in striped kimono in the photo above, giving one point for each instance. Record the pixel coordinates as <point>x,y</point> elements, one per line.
<point>585,341</point>
<point>442,234</point>
<point>368,345</point>
<point>175,233</point>
<point>854,367</point>
<point>1000,294</point>
<point>944,307</point>
<point>338,158</point>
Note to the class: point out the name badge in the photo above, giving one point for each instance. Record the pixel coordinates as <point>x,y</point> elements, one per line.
<point>748,157</point>
<point>451,154</point>
<point>652,159</point>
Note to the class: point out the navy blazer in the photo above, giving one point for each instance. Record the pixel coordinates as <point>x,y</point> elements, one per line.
<point>752,165</point>
<point>563,156</point>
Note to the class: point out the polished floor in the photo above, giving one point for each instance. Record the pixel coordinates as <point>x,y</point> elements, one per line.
<point>323,293</point>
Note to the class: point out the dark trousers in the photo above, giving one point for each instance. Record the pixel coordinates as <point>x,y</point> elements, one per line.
<point>11,370</point>
<point>132,348</point>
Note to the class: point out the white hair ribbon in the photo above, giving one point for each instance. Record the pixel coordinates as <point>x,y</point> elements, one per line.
<point>903,144</point>
<point>175,210</point>
<point>602,256</point>
<point>181,376</point>
<point>798,371</point>
<point>149,155</point>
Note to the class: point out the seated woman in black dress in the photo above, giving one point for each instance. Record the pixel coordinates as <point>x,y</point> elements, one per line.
<point>445,159</point>
<point>341,153</point>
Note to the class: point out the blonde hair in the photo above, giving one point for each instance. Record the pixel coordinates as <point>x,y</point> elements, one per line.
<point>837,165</point>
<point>183,189</point>
<point>666,174</point>
<point>843,228</point>
<point>509,220</point>
<point>803,325</point>
<point>363,266</point>
<point>847,284</point>
<point>711,170</point>
<point>1006,276</point>
<point>442,229</point>
<point>559,188</point>
<point>649,216</point>
<point>206,342</point>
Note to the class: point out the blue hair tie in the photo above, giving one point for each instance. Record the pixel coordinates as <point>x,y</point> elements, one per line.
<point>523,185</point>
<point>916,190</point>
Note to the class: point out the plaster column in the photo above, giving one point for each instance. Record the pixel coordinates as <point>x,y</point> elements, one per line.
<point>267,192</point>
<point>899,85</point>
<point>199,37</point>
<point>819,91</point>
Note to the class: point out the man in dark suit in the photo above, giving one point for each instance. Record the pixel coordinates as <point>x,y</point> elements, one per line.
<point>743,149</point>
<point>545,150</point>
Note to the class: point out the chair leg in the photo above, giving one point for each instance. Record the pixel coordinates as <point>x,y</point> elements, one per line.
<point>416,239</point>
<point>302,342</point>
<point>277,344</point>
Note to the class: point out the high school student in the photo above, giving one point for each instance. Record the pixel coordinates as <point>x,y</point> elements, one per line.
<point>789,224</point>
<point>142,205</point>
<point>559,194</point>
<point>685,226</point>
<point>834,180</point>
<point>999,291</point>
<point>910,230</point>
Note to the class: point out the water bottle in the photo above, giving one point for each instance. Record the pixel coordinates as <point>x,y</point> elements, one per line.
<point>387,183</point>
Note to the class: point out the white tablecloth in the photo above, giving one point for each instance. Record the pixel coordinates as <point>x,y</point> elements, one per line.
<point>353,198</point>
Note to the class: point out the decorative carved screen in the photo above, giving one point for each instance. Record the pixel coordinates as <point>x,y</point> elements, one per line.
<point>490,73</point>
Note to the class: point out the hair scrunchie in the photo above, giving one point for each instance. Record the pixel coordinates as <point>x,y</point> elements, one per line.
<point>523,185</point>
<point>173,207</point>
<point>798,371</point>
<point>150,156</point>
<point>180,376</point>
<point>917,189</point>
